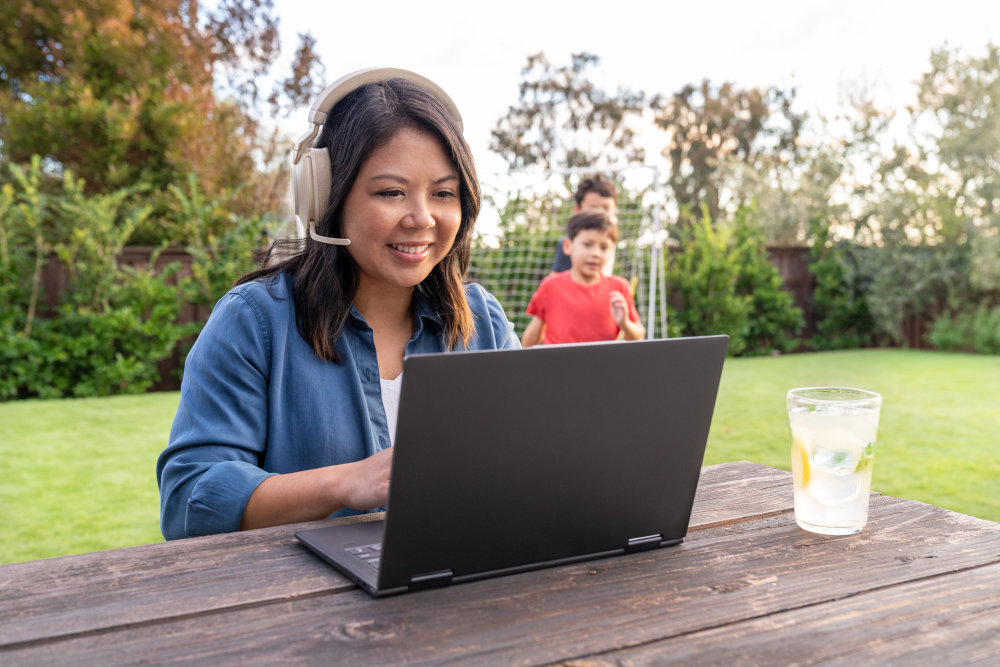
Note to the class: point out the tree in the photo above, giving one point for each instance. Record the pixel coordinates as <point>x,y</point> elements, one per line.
<point>135,92</point>
<point>961,94</point>
<point>717,140</point>
<point>563,119</point>
<point>715,133</point>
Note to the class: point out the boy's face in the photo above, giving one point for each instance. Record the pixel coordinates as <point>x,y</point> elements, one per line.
<point>588,251</point>
<point>596,200</point>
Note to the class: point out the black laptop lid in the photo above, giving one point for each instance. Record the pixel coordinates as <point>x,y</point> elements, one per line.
<point>519,457</point>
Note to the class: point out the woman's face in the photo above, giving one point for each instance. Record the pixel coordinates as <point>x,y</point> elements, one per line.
<point>403,211</point>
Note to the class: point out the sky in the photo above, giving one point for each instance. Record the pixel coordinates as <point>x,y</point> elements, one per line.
<point>476,51</point>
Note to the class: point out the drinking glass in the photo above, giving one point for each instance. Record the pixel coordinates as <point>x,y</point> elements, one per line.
<point>833,450</point>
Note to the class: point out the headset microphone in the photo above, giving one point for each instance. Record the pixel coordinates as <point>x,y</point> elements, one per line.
<point>311,169</point>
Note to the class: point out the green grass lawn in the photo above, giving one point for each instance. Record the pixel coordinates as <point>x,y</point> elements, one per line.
<point>938,432</point>
<point>79,475</point>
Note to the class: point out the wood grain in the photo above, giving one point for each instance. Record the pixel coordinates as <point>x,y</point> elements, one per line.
<point>89,593</point>
<point>937,620</point>
<point>86,593</point>
<point>744,587</point>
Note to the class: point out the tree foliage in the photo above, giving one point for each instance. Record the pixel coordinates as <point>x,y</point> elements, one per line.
<point>563,119</point>
<point>130,92</point>
<point>922,205</point>
<point>722,282</point>
<point>110,325</point>
<point>723,146</point>
<point>715,132</point>
<point>962,94</point>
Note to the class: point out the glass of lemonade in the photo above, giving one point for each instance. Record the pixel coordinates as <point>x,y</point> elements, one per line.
<point>833,449</point>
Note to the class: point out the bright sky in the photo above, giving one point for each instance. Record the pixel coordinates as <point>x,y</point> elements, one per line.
<point>475,51</point>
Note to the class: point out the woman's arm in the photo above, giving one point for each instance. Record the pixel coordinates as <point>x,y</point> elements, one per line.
<point>229,440</point>
<point>316,494</point>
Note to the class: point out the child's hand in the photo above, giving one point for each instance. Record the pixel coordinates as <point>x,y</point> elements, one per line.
<point>619,308</point>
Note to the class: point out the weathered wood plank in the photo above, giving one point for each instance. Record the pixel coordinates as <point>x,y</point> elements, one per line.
<point>74,594</point>
<point>731,492</point>
<point>720,577</point>
<point>946,620</point>
<point>87,593</point>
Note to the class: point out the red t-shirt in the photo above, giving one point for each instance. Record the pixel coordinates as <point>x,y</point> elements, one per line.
<point>575,313</point>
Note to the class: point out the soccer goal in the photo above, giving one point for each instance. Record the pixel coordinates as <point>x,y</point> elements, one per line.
<point>524,217</point>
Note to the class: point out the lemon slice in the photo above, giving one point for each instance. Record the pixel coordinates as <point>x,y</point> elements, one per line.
<point>800,464</point>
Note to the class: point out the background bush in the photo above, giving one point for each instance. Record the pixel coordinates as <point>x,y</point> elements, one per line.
<point>722,282</point>
<point>968,331</point>
<point>842,278</point>
<point>113,324</point>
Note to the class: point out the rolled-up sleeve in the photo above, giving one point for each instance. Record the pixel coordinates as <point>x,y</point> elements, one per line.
<point>211,465</point>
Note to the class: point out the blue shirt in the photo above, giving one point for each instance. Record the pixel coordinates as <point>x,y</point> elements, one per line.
<point>257,401</point>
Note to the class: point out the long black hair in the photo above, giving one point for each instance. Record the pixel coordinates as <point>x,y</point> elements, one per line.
<point>325,276</point>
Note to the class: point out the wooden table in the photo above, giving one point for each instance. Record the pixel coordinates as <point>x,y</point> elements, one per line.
<point>919,585</point>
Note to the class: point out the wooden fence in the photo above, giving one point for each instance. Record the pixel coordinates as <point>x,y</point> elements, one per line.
<point>792,263</point>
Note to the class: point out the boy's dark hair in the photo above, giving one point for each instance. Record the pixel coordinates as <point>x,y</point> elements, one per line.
<point>593,218</point>
<point>597,183</point>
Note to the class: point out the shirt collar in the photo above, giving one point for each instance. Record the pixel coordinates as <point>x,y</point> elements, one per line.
<point>422,311</point>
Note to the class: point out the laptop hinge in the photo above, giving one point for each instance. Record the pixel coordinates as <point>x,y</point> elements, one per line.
<point>419,582</point>
<point>646,543</point>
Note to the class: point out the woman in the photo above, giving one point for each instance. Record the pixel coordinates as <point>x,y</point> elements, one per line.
<point>287,410</point>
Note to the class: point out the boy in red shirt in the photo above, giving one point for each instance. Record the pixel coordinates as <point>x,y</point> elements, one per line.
<point>583,304</point>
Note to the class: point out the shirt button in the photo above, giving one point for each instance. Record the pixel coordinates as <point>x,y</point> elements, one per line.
<point>368,374</point>
<point>382,441</point>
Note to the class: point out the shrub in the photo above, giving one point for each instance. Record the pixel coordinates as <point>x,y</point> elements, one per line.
<point>723,283</point>
<point>952,332</point>
<point>703,278</point>
<point>910,281</point>
<point>111,326</point>
<point>986,330</point>
<point>842,279</point>
<point>774,317</point>
<point>971,331</point>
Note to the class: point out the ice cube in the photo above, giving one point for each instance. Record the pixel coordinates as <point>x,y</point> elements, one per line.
<point>840,461</point>
<point>832,489</point>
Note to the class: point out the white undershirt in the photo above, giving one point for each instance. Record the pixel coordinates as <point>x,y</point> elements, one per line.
<point>390,401</point>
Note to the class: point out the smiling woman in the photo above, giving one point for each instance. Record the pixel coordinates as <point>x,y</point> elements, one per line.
<point>286,402</point>
<point>402,216</point>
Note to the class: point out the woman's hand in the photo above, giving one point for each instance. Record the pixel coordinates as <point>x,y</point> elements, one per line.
<point>316,494</point>
<point>365,483</point>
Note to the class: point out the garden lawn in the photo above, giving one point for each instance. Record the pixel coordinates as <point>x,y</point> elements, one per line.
<point>79,475</point>
<point>939,432</point>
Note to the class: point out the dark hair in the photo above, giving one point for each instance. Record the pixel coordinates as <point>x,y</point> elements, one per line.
<point>592,218</point>
<point>597,183</point>
<point>325,276</point>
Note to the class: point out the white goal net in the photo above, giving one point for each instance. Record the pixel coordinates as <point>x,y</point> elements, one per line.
<point>524,217</point>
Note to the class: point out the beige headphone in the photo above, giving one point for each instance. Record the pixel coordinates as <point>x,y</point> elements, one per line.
<point>311,170</point>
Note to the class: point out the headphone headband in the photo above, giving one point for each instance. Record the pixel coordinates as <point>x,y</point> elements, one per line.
<point>311,169</point>
<point>340,88</point>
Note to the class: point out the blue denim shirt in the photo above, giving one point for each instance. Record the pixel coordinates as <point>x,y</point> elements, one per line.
<point>257,401</point>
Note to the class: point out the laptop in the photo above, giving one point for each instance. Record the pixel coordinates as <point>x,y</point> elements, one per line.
<point>512,460</point>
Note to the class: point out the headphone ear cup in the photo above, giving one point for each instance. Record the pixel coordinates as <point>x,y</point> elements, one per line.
<point>318,161</point>
<point>312,176</point>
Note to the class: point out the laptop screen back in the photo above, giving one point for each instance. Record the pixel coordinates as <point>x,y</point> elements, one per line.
<point>508,459</point>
